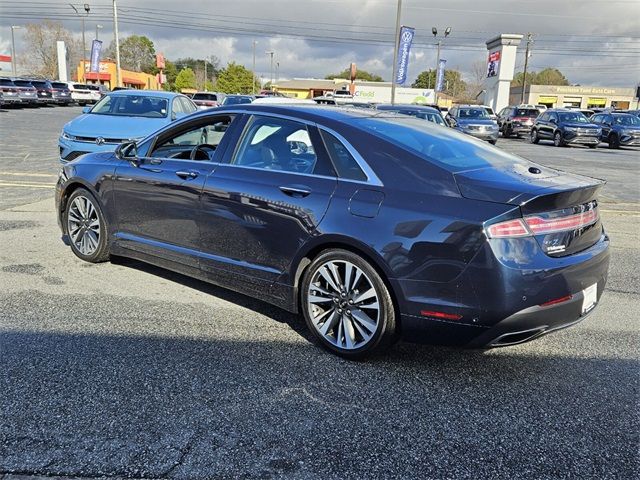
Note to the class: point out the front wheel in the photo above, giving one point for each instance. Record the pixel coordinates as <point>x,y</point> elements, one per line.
<point>86,227</point>
<point>493,142</point>
<point>614,141</point>
<point>557,140</point>
<point>347,305</point>
<point>534,136</point>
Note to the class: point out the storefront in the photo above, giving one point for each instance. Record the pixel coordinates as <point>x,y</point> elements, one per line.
<point>107,76</point>
<point>569,96</point>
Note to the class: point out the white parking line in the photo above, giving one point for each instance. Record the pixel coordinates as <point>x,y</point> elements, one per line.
<point>27,174</point>
<point>27,185</point>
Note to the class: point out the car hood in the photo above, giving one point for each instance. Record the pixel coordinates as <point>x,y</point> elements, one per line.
<point>475,121</point>
<point>517,184</point>
<point>113,126</point>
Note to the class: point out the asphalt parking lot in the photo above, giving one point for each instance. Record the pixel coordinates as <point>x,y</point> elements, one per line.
<point>127,370</point>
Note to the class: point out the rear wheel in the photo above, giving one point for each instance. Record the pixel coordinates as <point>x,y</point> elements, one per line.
<point>557,140</point>
<point>347,305</point>
<point>86,227</point>
<point>534,136</point>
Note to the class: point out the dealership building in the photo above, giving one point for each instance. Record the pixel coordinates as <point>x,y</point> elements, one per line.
<point>564,96</point>
<point>106,75</point>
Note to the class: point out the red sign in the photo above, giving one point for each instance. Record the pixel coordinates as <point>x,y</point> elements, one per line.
<point>493,65</point>
<point>5,58</point>
<point>160,60</point>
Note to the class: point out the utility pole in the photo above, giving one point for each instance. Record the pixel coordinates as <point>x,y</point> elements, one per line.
<point>526,64</point>
<point>205,75</point>
<point>117,40</point>
<point>434,30</point>
<point>253,85</point>
<point>13,50</point>
<point>395,53</point>
<point>270,69</point>
<point>277,71</point>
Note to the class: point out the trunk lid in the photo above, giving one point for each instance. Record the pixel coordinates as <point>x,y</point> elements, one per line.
<point>560,209</point>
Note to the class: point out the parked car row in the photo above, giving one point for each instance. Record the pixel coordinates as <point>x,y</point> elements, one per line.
<point>28,92</point>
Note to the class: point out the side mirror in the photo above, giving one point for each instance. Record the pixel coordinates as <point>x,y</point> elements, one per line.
<point>127,151</point>
<point>86,109</point>
<point>553,120</point>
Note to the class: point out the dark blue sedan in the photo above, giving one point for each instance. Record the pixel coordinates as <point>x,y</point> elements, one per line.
<point>372,225</point>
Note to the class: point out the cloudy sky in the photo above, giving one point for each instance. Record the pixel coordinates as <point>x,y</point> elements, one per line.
<point>593,42</point>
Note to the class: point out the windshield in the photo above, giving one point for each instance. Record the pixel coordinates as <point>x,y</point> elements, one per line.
<point>573,117</point>
<point>472,113</point>
<point>132,106</point>
<point>626,120</point>
<point>527,112</point>
<point>236,100</point>
<point>443,146</point>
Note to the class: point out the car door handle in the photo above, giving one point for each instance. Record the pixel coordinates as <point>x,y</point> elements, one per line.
<point>295,191</point>
<point>186,174</point>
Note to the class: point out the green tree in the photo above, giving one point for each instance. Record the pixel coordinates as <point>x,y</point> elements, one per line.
<point>185,79</point>
<point>235,79</point>
<point>548,76</point>
<point>454,85</point>
<point>171,72</point>
<point>360,75</point>
<point>137,53</point>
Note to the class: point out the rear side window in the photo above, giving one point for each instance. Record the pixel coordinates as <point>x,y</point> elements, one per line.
<point>344,163</point>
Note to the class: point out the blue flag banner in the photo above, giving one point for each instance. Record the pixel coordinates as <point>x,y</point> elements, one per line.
<point>404,47</point>
<point>96,48</point>
<point>440,76</point>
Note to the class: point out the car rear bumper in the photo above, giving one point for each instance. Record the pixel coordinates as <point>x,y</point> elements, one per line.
<point>502,302</point>
<point>15,100</point>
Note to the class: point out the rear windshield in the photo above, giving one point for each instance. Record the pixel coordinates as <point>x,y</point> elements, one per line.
<point>59,85</point>
<point>6,82</point>
<point>527,112</point>
<point>236,100</point>
<point>443,146</point>
<point>79,86</point>
<point>132,106</point>
<point>22,83</point>
<point>39,84</point>
<point>205,96</point>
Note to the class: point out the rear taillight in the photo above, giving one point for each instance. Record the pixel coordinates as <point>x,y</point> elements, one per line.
<point>536,225</point>
<point>509,229</point>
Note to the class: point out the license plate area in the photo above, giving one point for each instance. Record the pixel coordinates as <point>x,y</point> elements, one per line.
<point>589,298</point>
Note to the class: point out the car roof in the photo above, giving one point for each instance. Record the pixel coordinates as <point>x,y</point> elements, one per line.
<point>148,93</point>
<point>408,106</point>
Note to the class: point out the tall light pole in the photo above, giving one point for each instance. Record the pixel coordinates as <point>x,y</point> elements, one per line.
<point>98,27</point>
<point>87,9</point>
<point>526,65</point>
<point>270,69</point>
<point>116,39</point>
<point>395,53</point>
<point>277,71</point>
<point>253,85</point>
<point>434,30</point>
<point>13,49</point>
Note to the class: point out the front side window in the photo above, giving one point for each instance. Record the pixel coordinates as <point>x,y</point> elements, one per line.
<point>276,144</point>
<point>131,106</point>
<point>207,136</point>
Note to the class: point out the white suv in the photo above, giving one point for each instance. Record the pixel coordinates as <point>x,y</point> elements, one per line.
<point>80,93</point>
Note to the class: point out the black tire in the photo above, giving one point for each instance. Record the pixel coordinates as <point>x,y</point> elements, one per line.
<point>558,141</point>
<point>507,132</point>
<point>385,333</point>
<point>533,137</point>
<point>614,141</point>
<point>493,142</point>
<point>101,252</point>
<point>593,146</point>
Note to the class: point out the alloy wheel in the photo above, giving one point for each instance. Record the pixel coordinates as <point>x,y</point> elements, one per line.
<point>83,225</point>
<point>343,304</point>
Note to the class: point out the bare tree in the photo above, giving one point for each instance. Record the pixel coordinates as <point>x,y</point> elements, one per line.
<point>40,55</point>
<point>477,79</point>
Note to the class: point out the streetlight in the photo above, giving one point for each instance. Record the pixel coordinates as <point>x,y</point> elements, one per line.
<point>271,69</point>
<point>98,27</point>
<point>13,50</point>
<point>277,71</point>
<point>434,30</point>
<point>84,44</point>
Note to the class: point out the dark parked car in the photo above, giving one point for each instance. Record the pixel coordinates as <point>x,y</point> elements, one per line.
<point>517,120</point>
<point>9,91</point>
<point>565,127</point>
<point>60,93</point>
<point>44,91</point>
<point>204,100</point>
<point>27,92</point>
<point>618,128</point>
<point>473,120</point>
<point>371,226</point>
<point>419,111</point>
